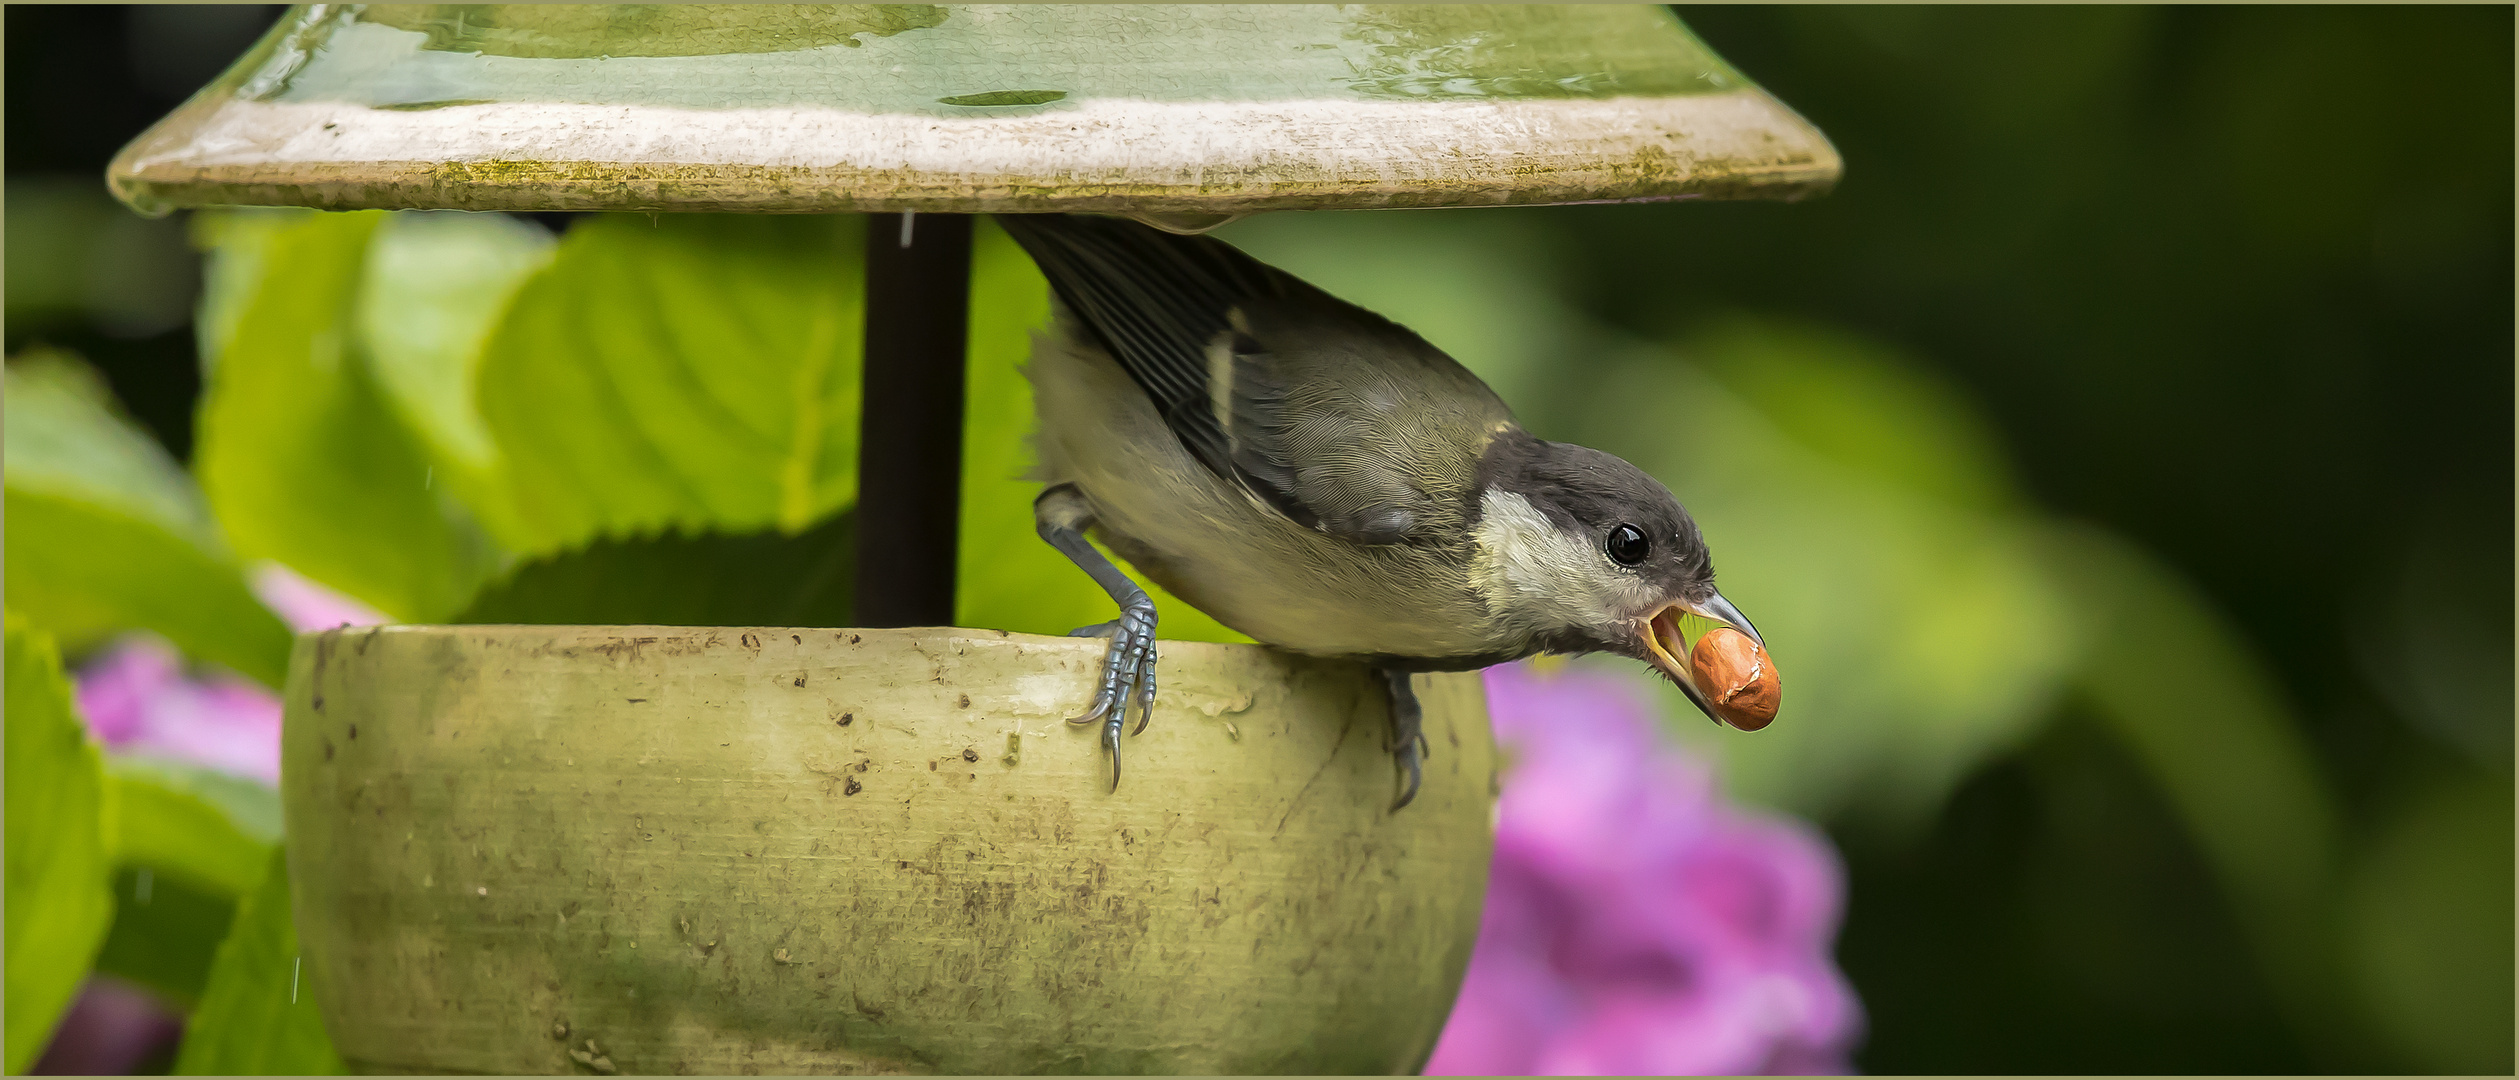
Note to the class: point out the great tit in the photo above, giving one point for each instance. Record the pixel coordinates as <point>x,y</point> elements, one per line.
<point>1323,480</point>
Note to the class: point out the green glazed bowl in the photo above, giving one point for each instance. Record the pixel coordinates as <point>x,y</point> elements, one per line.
<point>552,849</point>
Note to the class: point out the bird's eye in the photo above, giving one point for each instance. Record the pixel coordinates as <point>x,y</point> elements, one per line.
<point>1628,545</point>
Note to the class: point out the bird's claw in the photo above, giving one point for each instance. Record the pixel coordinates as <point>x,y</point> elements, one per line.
<point>1128,667</point>
<point>1409,762</point>
<point>1408,736</point>
<point>1128,677</point>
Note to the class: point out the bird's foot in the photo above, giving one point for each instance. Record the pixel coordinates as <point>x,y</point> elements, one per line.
<point>1128,676</point>
<point>1128,669</point>
<point>1408,737</point>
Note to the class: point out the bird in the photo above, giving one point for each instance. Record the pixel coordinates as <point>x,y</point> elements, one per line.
<point>1325,481</point>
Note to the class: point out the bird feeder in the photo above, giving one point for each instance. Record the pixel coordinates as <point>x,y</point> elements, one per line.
<point>747,849</point>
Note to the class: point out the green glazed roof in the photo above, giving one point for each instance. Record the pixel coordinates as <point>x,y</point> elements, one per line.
<point>1198,109</point>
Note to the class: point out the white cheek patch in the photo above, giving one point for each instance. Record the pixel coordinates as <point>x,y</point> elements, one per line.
<point>1538,575</point>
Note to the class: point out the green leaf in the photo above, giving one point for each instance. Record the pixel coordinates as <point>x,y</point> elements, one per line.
<point>68,436</point>
<point>58,220</point>
<point>79,262</point>
<point>189,844</point>
<point>204,826</point>
<point>257,1015</point>
<point>91,572</point>
<point>757,579</point>
<point>238,242</point>
<point>1006,577</point>
<point>107,533</point>
<point>698,371</point>
<point>1856,404</point>
<point>165,933</point>
<point>299,454</point>
<point>438,283</point>
<point>58,821</point>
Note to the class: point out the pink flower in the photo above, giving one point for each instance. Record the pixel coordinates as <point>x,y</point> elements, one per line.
<point>305,605</point>
<point>112,1028</point>
<point>138,699</point>
<point>1635,921</point>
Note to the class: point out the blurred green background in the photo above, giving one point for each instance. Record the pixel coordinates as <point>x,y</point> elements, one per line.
<point>2119,462</point>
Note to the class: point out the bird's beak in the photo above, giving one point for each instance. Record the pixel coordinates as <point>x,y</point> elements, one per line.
<point>1666,646</point>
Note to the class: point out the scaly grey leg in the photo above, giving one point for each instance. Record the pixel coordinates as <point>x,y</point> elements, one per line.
<point>1128,669</point>
<point>1408,735</point>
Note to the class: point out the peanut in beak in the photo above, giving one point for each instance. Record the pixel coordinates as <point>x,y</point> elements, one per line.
<point>1727,673</point>
<point>1738,680</point>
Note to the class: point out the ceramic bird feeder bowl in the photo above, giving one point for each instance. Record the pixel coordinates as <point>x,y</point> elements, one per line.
<point>534,849</point>
<point>1158,109</point>
<point>627,849</point>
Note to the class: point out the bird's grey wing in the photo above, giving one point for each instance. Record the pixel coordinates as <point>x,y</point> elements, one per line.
<point>1155,301</point>
<point>1354,427</point>
<point>1333,415</point>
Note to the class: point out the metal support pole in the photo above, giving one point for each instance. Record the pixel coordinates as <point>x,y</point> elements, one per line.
<point>909,458</point>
